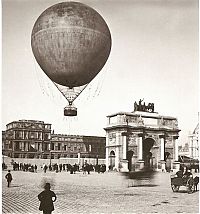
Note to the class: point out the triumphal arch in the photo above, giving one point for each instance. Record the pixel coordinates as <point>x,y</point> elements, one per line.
<point>141,139</point>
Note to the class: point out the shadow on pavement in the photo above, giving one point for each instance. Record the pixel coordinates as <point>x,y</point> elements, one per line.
<point>128,194</point>
<point>13,186</point>
<point>144,185</point>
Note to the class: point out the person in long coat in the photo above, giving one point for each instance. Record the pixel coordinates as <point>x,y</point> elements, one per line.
<point>47,197</point>
<point>8,177</point>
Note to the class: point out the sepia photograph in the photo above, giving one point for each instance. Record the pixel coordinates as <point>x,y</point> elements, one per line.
<point>100,106</point>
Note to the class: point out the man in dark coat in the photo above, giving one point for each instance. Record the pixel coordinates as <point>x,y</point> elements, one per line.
<point>8,177</point>
<point>47,197</point>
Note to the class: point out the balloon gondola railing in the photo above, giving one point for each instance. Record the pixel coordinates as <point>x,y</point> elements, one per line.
<point>71,43</point>
<point>70,111</point>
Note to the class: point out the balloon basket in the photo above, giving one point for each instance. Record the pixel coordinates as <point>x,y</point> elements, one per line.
<point>70,111</point>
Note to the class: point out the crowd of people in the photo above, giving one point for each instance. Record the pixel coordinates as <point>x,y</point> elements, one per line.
<point>60,167</point>
<point>73,168</point>
<point>26,167</point>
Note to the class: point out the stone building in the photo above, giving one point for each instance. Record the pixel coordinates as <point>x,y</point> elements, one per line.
<point>141,139</point>
<point>184,150</point>
<point>35,139</point>
<point>194,143</point>
<point>27,139</point>
<point>70,146</point>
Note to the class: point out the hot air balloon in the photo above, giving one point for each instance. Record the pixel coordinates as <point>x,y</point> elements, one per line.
<point>71,43</point>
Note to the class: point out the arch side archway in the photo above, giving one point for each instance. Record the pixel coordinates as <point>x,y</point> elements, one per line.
<point>112,160</point>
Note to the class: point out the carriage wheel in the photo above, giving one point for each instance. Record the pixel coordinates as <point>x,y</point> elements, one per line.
<point>175,188</point>
<point>190,186</point>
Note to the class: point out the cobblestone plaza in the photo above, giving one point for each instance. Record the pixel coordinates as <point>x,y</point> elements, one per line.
<point>96,193</point>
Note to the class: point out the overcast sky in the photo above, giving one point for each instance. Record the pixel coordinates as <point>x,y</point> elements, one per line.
<point>154,56</point>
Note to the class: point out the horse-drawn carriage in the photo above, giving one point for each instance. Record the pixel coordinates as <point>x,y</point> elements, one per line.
<point>188,181</point>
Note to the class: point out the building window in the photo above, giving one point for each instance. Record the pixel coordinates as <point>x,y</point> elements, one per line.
<point>10,145</point>
<point>33,135</point>
<point>58,146</point>
<point>46,137</point>
<point>25,135</point>
<point>52,146</point>
<point>39,135</point>
<point>47,126</point>
<point>17,146</point>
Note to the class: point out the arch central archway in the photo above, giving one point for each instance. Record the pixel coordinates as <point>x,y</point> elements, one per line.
<point>147,154</point>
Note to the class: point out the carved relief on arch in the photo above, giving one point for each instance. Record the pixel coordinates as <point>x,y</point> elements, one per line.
<point>133,149</point>
<point>169,142</point>
<point>132,141</point>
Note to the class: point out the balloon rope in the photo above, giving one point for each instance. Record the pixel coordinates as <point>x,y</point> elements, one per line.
<point>102,82</point>
<point>44,85</point>
<point>38,78</point>
<point>67,87</point>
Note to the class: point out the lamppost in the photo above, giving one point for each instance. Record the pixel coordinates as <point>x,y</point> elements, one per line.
<point>127,136</point>
<point>3,164</point>
<point>79,156</point>
<point>97,158</point>
<point>50,158</point>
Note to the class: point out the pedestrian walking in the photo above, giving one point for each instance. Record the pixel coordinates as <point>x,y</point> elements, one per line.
<point>60,167</point>
<point>45,168</point>
<point>35,168</point>
<point>46,198</point>
<point>8,178</point>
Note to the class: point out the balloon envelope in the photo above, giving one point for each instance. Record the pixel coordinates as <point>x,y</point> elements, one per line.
<point>71,42</point>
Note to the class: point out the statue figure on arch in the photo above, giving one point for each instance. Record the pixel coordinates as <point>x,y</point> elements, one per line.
<point>140,104</point>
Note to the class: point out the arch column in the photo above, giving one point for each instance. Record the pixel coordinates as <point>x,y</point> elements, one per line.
<point>162,152</point>
<point>140,151</point>
<point>107,158</point>
<point>117,158</point>
<point>140,146</point>
<point>176,162</point>
<point>176,148</point>
<point>124,146</point>
<point>124,161</point>
<point>162,147</point>
<point>107,164</point>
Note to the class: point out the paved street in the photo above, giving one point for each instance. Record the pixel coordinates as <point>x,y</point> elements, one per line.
<point>96,193</point>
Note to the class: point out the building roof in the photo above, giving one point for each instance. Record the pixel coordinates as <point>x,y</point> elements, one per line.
<point>29,121</point>
<point>196,130</point>
<point>143,114</point>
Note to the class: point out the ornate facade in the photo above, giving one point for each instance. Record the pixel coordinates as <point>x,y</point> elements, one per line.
<point>141,139</point>
<point>27,139</point>
<point>34,139</point>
